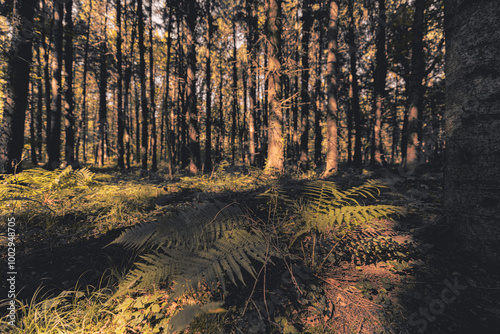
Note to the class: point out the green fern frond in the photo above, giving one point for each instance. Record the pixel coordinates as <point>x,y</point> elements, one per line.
<point>194,228</point>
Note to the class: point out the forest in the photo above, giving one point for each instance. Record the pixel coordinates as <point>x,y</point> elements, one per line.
<point>249,166</point>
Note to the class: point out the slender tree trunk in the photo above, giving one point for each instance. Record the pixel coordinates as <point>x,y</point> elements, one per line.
<point>54,145</point>
<point>208,79</point>
<point>416,88</point>
<point>304,92</point>
<point>33,154</point>
<point>103,91</point>
<point>46,74</point>
<point>275,156</point>
<point>331,78</point>
<point>192,112</point>
<point>472,123</point>
<point>142,78</point>
<point>358,160</point>
<point>235,98</point>
<point>379,83</point>
<point>120,112</point>
<point>154,158</point>
<point>318,105</point>
<point>168,135</point>
<point>69,117</point>
<point>252,50</point>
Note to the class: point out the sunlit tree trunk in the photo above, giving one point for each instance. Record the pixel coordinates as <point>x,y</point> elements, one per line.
<point>235,98</point>
<point>318,96</point>
<point>472,123</point>
<point>307,21</point>
<point>416,89</point>
<point>103,91</point>
<point>167,141</point>
<point>275,156</point>
<point>252,49</point>
<point>331,78</point>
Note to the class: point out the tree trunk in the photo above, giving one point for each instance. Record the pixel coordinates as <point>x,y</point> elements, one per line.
<point>416,89</point>
<point>331,78</point>
<point>252,78</point>
<point>192,111</point>
<point>275,156</point>
<point>304,91</point>
<point>358,159</point>
<point>154,158</point>
<point>318,106</point>
<point>69,117</point>
<point>54,145</point>
<point>379,83</point>
<point>235,98</point>
<point>142,78</point>
<point>120,113</point>
<point>472,121</point>
<point>103,108</point>
<point>208,79</point>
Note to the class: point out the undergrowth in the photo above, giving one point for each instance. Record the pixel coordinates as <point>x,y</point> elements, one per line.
<point>195,256</point>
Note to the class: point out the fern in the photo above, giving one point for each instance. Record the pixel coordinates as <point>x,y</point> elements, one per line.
<point>204,244</point>
<point>331,208</point>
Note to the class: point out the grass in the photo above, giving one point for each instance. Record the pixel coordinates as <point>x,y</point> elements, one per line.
<point>75,211</point>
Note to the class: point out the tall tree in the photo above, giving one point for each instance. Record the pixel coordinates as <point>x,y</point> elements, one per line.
<point>54,143</point>
<point>472,120</point>
<point>154,158</point>
<point>69,108</point>
<point>192,111</point>
<point>252,28</point>
<point>416,88</point>
<point>307,21</point>
<point>275,156</point>
<point>17,87</point>
<point>103,92</point>
<point>120,113</point>
<point>208,80</point>
<point>142,79</point>
<point>356,113</point>
<point>379,84</point>
<point>331,78</point>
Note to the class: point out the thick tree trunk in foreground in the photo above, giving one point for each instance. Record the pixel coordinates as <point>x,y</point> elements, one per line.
<point>275,157</point>
<point>142,78</point>
<point>69,108</point>
<point>307,21</point>
<point>18,73</point>
<point>472,123</point>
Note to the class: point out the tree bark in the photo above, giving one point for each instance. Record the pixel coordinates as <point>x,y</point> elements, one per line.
<point>416,89</point>
<point>472,121</point>
<point>142,79</point>
<point>120,113</point>
<point>154,149</point>
<point>208,80</point>
<point>69,97</point>
<point>307,21</point>
<point>192,111</point>
<point>358,159</point>
<point>252,78</point>
<point>331,78</point>
<point>275,157</point>
<point>379,85</point>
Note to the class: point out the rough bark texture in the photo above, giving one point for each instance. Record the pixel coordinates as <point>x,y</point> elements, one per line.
<point>275,157</point>
<point>331,78</point>
<point>121,116</point>
<point>17,87</point>
<point>208,79</point>
<point>472,123</point>
<point>252,22</point>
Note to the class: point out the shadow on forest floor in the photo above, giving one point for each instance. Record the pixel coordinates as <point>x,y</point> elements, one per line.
<point>440,290</point>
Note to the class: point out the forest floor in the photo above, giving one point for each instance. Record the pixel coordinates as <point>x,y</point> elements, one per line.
<point>426,286</point>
